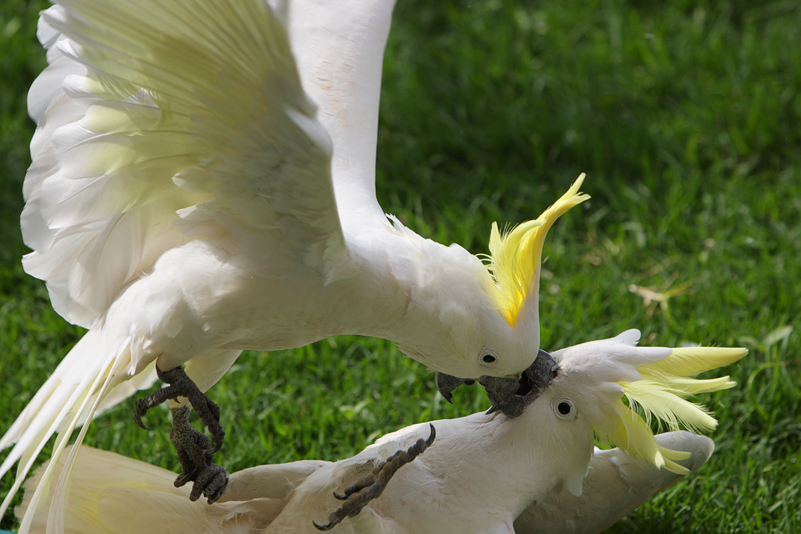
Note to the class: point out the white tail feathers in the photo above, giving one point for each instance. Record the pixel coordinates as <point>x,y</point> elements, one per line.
<point>71,396</point>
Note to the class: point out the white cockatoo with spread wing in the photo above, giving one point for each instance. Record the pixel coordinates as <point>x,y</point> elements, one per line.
<point>485,473</point>
<point>203,183</point>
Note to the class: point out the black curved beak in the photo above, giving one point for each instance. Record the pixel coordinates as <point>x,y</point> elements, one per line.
<point>509,395</point>
<point>447,383</point>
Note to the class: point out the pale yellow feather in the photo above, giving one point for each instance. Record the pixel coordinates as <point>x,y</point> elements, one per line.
<point>515,255</point>
<point>690,386</point>
<point>689,361</point>
<point>661,394</point>
<point>668,407</point>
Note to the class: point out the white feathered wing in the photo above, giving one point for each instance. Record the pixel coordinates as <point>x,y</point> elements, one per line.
<point>214,138</point>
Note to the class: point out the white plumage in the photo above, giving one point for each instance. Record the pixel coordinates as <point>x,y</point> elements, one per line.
<point>483,473</point>
<point>108,492</point>
<point>187,200</point>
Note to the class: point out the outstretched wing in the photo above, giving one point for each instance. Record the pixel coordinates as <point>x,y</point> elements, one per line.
<point>339,47</point>
<point>163,122</point>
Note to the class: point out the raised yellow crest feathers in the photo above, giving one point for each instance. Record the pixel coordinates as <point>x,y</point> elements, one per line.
<point>515,255</point>
<point>661,393</point>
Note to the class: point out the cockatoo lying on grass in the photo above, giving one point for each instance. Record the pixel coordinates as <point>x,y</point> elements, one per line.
<point>107,489</point>
<point>483,473</point>
<point>187,200</point>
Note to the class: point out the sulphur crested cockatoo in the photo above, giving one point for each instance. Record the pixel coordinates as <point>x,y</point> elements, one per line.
<point>107,489</point>
<point>188,199</point>
<point>483,473</point>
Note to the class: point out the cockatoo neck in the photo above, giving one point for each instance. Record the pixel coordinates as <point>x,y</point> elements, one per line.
<point>438,303</point>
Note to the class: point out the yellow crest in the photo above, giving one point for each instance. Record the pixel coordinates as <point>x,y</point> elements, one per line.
<point>661,393</point>
<point>515,256</point>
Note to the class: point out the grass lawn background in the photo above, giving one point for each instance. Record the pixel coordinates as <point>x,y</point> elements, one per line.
<point>686,116</point>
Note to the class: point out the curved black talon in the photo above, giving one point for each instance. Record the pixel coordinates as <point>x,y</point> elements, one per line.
<point>140,409</point>
<point>358,495</point>
<point>183,478</point>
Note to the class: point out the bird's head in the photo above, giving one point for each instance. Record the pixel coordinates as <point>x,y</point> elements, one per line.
<point>586,399</point>
<point>501,337</point>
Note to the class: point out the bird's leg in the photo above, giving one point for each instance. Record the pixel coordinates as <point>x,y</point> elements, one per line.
<point>370,487</point>
<point>196,454</point>
<point>180,385</point>
<point>195,450</point>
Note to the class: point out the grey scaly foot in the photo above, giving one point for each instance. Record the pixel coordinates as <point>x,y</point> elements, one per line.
<point>180,385</point>
<point>195,450</point>
<point>196,454</point>
<point>370,487</point>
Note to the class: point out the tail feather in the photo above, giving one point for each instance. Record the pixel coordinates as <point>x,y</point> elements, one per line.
<point>14,433</point>
<point>70,397</point>
<point>87,409</point>
<point>122,391</point>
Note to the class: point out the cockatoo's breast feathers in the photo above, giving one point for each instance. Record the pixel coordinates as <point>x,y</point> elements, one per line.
<point>515,255</point>
<point>654,380</point>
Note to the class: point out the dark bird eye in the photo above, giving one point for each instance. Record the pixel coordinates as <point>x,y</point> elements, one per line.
<point>488,358</point>
<point>564,408</point>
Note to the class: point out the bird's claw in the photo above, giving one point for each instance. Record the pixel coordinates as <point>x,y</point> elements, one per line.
<point>185,477</point>
<point>196,454</point>
<point>180,385</point>
<point>140,409</point>
<point>210,481</point>
<point>370,487</point>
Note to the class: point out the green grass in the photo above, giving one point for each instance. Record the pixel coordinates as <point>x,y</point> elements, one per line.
<point>686,117</point>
